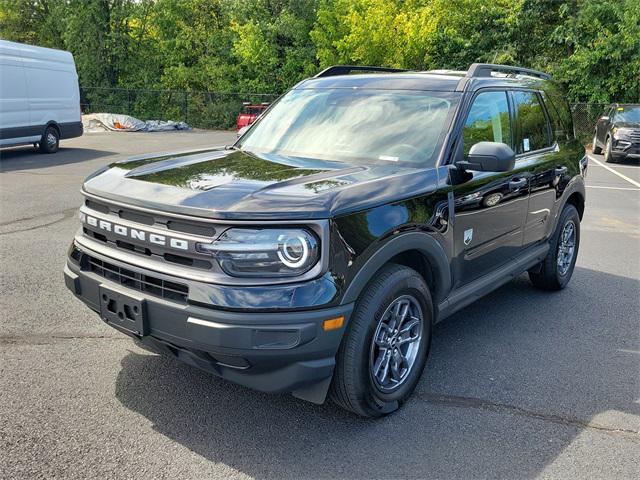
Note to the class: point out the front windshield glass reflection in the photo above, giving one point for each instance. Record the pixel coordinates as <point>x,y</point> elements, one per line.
<point>356,126</point>
<point>628,114</point>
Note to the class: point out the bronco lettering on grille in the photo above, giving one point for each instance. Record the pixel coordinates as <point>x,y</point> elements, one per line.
<point>134,233</point>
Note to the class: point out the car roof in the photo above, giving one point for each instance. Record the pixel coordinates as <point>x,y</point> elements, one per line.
<point>432,80</point>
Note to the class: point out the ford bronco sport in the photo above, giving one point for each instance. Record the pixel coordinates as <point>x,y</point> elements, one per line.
<point>315,255</point>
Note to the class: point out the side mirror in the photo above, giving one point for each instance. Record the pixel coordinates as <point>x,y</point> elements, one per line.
<point>489,157</point>
<point>604,117</point>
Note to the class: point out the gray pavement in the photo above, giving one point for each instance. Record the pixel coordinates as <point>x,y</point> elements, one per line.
<point>520,384</point>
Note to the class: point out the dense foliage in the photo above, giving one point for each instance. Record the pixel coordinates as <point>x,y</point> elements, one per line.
<point>265,46</point>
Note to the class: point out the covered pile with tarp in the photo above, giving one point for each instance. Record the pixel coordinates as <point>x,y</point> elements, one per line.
<point>100,122</point>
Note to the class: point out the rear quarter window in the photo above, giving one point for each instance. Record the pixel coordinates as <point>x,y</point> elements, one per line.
<point>560,113</point>
<point>533,127</point>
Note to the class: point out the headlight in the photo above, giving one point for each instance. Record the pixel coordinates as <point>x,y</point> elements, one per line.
<point>264,252</point>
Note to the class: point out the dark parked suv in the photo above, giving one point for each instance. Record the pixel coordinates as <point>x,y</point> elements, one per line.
<point>617,134</point>
<point>315,255</point>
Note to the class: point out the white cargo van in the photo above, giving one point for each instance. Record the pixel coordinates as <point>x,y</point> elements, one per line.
<point>39,96</point>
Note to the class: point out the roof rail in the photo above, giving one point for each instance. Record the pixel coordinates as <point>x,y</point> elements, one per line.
<point>346,69</point>
<point>485,69</point>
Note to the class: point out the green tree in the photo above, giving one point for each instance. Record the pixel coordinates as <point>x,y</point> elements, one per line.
<point>253,46</point>
<point>602,39</point>
<point>271,43</point>
<point>34,22</point>
<point>414,34</point>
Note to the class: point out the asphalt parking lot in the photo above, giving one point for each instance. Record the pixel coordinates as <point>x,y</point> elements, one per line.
<point>520,384</point>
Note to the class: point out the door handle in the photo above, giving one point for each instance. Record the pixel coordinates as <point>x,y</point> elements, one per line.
<point>559,171</point>
<point>517,183</point>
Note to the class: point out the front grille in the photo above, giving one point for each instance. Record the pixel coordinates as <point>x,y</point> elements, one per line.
<point>635,136</point>
<point>163,226</point>
<point>149,284</point>
<point>193,227</point>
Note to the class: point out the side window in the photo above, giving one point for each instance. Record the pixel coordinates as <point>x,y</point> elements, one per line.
<point>560,116</point>
<point>533,128</point>
<point>488,120</point>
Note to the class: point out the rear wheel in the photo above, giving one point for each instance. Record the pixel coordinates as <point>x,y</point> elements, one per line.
<point>382,355</point>
<point>50,140</point>
<point>594,145</point>
<point>556,269</point>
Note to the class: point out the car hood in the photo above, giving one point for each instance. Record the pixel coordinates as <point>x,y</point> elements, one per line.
<point>626,124</point>
<point>234,184</point>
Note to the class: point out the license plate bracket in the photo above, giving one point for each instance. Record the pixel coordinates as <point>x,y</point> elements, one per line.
<point>123,311</point>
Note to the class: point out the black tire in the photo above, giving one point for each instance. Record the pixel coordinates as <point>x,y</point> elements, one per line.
<point>594,146</point>
<point>50,141</point>
<point>549,275</point>
<point>492,199</point>
<point>353,386</point>
<point>608,156</point>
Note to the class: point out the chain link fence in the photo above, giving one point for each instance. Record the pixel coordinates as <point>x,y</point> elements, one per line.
<point>585,116</point>
<point>218,110</point>
<point>213,110</point>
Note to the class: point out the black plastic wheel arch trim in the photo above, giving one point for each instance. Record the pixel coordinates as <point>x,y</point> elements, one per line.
<point>425,244</point>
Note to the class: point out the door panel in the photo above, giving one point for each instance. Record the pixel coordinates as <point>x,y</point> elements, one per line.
<point>538,159</point>
<point>490,211</point>
<point>490,207</point>
<point>544,171</point>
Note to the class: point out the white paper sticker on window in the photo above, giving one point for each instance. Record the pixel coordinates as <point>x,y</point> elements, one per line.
<point>388,158</point>
<point>525,144</point>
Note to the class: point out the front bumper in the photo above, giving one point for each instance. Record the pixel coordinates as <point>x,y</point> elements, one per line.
<point>625,148</point>
<point>270,351</point>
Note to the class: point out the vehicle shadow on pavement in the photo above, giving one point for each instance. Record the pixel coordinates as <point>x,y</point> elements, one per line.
<point>27,158</point>
<point>512,380</point>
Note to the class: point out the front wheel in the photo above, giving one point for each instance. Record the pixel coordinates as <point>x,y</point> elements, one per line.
<point>382,355</point>
<point>608,156</point>
<point>556,269</point>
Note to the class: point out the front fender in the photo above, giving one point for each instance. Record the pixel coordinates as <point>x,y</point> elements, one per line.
<point>420,241</point>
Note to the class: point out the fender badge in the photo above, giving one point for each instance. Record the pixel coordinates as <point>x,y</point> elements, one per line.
<point>468,236</point>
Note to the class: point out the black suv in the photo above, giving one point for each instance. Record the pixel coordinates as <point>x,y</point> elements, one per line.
<point>618,133</point>
<point>315,255</point>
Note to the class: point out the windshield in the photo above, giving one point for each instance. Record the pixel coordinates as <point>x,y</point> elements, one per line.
<point>628,114</point>
<point>356,126</point>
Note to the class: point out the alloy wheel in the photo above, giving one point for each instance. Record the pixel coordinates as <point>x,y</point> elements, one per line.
<point>395,343</point>
<point>51,139</point>
<point>566,247</point>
